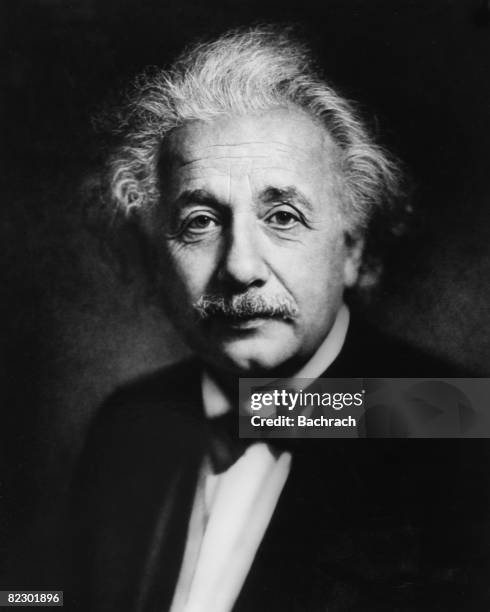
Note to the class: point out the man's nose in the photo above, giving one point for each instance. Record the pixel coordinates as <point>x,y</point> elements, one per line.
<point>243,263</point>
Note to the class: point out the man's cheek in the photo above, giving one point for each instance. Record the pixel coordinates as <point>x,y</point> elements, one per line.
<point>194,273</point>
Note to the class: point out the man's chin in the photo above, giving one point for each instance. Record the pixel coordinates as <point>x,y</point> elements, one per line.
<point>248,357</point>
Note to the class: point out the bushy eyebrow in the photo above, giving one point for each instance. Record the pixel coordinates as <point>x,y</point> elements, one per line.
<point>196,196</point>
<point>288,195</point>
<point>269,195</point>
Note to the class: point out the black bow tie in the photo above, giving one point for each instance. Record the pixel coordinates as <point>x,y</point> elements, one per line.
<point>226,447</point>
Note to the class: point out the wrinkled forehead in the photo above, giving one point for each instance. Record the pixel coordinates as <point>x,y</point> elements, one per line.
<point>279,148</point>
<point>284,137</point>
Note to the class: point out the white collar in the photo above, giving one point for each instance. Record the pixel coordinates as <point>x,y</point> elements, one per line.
<point>215,401</point>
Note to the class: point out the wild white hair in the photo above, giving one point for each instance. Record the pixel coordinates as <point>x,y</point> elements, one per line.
<point>241,73</point>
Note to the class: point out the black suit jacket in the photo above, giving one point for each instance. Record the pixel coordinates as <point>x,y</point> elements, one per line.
<point>361,525</point>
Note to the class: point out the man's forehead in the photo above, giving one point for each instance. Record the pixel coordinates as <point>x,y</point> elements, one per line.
<point>285,136</point>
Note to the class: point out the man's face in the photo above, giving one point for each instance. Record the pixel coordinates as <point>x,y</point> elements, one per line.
<point>252,244</point>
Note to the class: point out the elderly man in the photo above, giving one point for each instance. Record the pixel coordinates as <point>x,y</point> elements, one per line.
<point>255,187</point>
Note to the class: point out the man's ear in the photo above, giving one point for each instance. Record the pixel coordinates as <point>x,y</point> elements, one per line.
<point>129,247</point>
<point>147,255</point>
<point>354,248</point>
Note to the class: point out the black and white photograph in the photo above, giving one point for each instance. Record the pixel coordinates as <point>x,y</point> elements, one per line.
<point>218,213</point>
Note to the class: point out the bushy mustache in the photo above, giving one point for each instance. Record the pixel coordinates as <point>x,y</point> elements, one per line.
<point>245,306</point>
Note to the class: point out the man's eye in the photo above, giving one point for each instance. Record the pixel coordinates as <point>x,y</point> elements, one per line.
<point>283,218</point>
<point>200,223</point>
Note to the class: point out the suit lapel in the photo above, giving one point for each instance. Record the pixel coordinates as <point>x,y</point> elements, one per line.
<point>166,542</point>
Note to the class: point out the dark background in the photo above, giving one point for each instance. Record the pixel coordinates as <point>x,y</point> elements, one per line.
<point>74,326</point>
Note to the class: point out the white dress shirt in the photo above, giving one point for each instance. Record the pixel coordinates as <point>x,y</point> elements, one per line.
<point>231,510</point>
